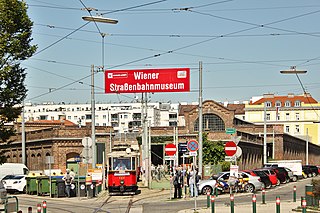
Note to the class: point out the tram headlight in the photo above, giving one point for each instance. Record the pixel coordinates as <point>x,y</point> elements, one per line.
<point>121,182</point>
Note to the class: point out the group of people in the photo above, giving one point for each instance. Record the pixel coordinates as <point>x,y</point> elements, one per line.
<point>186,177</point>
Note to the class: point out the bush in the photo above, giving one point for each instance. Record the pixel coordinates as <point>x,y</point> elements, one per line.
<point>225,165</point>
<point>316,187</point>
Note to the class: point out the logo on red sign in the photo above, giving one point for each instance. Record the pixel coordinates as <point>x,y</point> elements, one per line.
<point>147,80</point>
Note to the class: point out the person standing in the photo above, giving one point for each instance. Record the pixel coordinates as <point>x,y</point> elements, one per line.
<point>68,180</point>
<point>177,183</point>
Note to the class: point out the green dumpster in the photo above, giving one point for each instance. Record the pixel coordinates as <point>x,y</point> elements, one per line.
<point>98,187</point>
<point>81,186</point>
<point>309,194</point>
<point>31,185</point>
<point>43,185</point>
<point>54,187</point>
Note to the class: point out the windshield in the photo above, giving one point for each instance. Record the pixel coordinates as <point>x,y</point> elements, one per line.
<point>18,177</point>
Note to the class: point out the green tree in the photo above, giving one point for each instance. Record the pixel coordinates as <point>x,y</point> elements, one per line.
<point>213,151</point>
<point>15,46</point>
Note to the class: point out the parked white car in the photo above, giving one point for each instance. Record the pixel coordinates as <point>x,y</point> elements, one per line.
<point>206,186</point>
<point>255,183</point>
<point>15,184</point>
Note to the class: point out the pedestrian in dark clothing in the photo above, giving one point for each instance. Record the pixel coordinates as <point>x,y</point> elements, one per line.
<point>177,183</point>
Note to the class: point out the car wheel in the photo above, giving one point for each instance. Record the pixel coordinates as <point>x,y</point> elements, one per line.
<point>284,181</point>
<point>24,190</point>
<point>249,188</point>
<point>309,175</point>
<point>278,182</point>
<point>206,189</point>
<point>287,180</point>
<point>295,178</point>
<point>268,185</point>
<point>314,174</point>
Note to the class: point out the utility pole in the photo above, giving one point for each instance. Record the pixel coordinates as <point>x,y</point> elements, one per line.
<point>307,148</point>
<point>23,137</point>
<point>93,120</point>
<point>265,134</point>
<point>200,118</point>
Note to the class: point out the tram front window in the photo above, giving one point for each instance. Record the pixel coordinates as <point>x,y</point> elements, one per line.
<point>121,164</point>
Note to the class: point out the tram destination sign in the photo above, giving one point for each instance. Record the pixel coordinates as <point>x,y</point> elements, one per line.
<point>147,80</point>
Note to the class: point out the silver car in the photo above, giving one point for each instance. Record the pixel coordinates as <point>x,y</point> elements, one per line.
<point>206,186</point>
<point>254,183</point>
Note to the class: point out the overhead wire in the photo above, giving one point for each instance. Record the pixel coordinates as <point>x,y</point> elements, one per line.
<point>171,51</point>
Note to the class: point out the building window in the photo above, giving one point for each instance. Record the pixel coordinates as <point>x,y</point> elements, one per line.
<point>287,104</point>
<point>297,116</point>
<point>278,104</point>
<point>297,103</point>
<point>287,116</point>
<point>69,117</point>
<point>172,123</point>
<point>211,122</point>
<point>297,128</point>
<point>287,129</point>
<point>268,117</point>
<point>104,117</point>
<point>268,104</point>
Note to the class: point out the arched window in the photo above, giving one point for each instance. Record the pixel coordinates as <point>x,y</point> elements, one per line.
<point>278,103</point>
<point>287,104</point>
<point>268,104</point>
<point>210,122</point>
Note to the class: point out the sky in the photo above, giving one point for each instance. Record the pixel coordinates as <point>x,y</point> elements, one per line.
<point>242,44</point>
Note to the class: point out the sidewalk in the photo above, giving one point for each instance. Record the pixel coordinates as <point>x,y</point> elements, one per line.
<point>285,207</point>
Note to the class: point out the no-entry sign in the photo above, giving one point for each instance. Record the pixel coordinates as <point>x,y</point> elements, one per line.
<point>230,148</point>
<point>170,149</point>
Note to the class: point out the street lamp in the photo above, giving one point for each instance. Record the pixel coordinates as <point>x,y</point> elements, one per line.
<point>93,122</point>
<point>293,70</point>
<point>100,19</point>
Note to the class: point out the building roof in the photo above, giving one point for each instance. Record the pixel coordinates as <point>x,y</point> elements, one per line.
<point>237,108</point>
<point>52,122</point>
<point>305,98</point>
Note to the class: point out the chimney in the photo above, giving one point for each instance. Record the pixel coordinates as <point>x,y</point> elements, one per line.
<point>290,95</point>
<point>268,95</point>
<point>307,94</point>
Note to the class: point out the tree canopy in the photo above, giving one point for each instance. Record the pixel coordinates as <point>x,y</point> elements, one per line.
<point>15,46</point>
<point>213,151</point>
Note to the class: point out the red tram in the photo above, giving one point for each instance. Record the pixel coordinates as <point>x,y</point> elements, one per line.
<point>123,171</point>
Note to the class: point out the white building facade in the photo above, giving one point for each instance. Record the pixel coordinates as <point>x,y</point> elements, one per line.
<point>123,117</point>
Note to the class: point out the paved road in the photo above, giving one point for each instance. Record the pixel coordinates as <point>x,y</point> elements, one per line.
<point>157,201</point>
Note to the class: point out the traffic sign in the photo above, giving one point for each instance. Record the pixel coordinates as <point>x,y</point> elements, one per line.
<point>194,154</point>
<point>193,146</point>
<point>230,131</point>
<point>86,142</point>
<point>182,147</point>
<point>230,148</point>
<point>230,158</point>
<point>170,149</point>
<point>238,152</point>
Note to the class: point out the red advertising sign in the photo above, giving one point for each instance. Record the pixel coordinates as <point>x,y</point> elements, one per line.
<point>147,80</point>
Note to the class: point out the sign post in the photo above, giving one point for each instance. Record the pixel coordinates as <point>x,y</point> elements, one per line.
<point>170,150</point>
<point>193,147</point>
